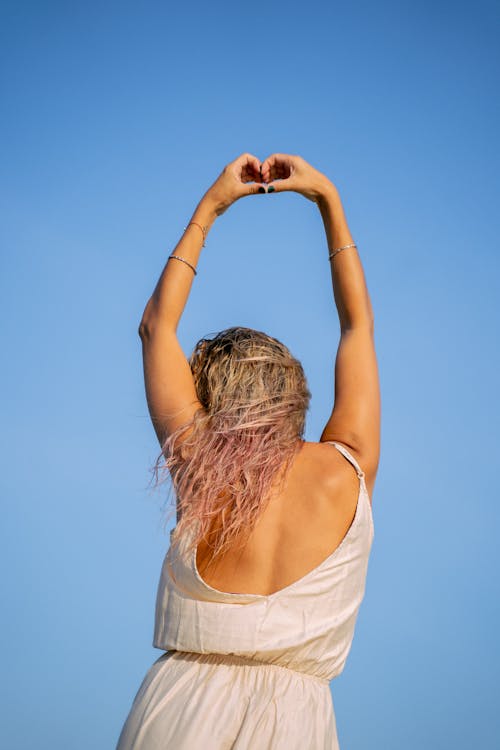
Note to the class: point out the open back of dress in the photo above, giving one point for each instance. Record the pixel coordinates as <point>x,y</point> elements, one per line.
<point>250,671</point>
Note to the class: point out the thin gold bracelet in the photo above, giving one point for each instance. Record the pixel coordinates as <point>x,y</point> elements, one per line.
<point>203,229</point>
<point>178,257</point>
<point>338,249</point>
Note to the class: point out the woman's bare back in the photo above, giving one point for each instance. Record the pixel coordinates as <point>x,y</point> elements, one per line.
<point>299,528</point>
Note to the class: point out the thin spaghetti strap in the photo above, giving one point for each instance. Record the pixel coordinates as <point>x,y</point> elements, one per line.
<point>349,457</point>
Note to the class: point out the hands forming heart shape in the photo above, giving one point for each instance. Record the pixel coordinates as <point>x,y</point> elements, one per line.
<point>247,175</point>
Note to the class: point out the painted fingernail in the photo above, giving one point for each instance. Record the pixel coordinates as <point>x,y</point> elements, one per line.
<point>270,189</point>
<point>262,190</point>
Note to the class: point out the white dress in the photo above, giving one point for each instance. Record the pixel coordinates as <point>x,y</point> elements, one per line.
<point>251,671</point>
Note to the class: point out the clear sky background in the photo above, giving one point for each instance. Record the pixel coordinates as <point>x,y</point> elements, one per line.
<point>116,118</point>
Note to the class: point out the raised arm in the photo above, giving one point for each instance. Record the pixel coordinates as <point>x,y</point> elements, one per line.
<point>170,390</point>
<point>356,414</point>
<point>355,418</point>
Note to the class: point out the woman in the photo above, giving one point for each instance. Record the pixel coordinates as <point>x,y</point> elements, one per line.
<point>260,588</point>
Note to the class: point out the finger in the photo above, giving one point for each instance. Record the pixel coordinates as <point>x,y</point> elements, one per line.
<point>250,186</point>
<point>247,167</point>
<point>248,162</point>
<point>256,189</point>
<point>250,174</point>
<point>266,167</point>
<point>281,180</point>
<point>253,163</point>
<point>252,189</point>
<point>276,166</point>
<point>280,185</point>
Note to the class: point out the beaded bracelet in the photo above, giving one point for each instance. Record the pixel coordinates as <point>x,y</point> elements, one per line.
<point>334,252</point>
<point>178,257</point>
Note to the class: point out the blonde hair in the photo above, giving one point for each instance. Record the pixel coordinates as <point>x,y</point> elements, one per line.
<point>255,397</point>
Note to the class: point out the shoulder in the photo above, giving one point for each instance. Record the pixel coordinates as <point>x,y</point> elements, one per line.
<point>325,461</point>
<point>329,460</point>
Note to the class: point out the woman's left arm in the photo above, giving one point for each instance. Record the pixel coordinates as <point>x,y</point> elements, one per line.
<point>170,390</point>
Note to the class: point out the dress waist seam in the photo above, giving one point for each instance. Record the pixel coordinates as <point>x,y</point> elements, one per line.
<point>212,657</point>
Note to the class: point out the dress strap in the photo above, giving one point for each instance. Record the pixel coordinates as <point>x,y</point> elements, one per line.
<point>349,457</point>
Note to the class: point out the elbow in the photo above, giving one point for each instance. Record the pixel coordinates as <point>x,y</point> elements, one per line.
<point>154,320</point>
<point>150,325</point>
<point>145,327</point>
<point>146,324</point>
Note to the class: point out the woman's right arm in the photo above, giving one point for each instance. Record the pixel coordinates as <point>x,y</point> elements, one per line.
<point>355,418</point>
<point>356,415</point>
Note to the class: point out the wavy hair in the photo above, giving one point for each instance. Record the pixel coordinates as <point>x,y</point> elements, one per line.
<point>224,461</point>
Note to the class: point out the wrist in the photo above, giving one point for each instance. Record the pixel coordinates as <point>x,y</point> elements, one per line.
<point>206,211</point>
<point>328,194</point>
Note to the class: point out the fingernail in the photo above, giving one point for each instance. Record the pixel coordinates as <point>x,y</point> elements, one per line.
<point>270,189</point>
<point>262,190</point>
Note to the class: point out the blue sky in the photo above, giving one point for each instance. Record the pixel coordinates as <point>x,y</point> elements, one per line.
<point>116,119</point>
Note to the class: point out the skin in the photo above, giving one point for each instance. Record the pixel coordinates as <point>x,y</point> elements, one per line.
<point>314,510</point>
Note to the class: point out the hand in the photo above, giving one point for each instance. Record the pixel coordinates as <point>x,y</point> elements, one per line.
<point>285,172</point>
<point>234,182</point>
